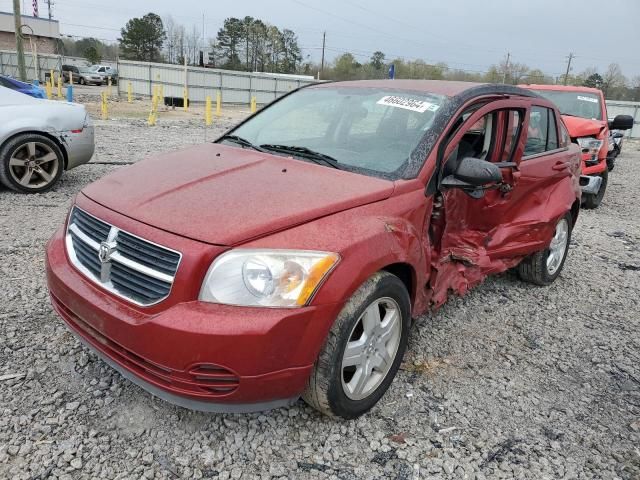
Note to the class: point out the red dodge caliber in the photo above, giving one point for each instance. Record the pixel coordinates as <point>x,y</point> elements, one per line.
<point>288,258</point>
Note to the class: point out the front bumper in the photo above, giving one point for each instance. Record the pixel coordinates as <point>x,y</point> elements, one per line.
<point>589,184</point>
<point>590,167</point>
<point>198,355</point>
<point>80,146</point>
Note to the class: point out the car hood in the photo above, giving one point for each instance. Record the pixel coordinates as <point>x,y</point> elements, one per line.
<point>583,127</point>
<point>226,195</point>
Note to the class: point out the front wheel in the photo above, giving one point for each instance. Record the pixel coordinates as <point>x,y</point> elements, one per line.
<point>542,268</point>
<point>592,201</point>
<point>363,350</point>
<point>82,81</point>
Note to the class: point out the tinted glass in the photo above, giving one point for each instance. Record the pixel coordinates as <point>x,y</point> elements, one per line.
<point>542,133</point>
<point>552,137</point>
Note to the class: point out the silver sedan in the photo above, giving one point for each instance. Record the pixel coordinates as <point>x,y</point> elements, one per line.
<point>39,139</point>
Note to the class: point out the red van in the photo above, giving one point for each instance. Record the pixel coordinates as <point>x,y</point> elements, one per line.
<point>584,112</point>
<point>289,257</point>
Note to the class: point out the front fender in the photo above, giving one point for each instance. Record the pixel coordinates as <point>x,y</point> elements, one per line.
<point>368,238</point>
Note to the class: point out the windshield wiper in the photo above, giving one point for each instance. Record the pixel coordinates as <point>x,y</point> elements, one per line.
<point>303,152</point>
<point>241,141</point>
<point>570,114</point>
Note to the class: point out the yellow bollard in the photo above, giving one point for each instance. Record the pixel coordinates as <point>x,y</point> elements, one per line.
<point>109,86</point>
<point>47,89</point>
<point>218,104</point>
<point>59,86</point>
<point>185,99</point>
<point>130,93</point>
<point>104,107</point>
<point>153,115</point>
<point>207,112</point>
<point>254,104</point>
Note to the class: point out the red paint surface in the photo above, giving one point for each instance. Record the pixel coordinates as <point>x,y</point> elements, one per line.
<point>195,202</point>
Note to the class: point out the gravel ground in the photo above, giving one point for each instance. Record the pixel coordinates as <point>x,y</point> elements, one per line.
<point>510,381</point>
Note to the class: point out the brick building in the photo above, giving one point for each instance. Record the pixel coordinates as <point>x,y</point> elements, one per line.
<point>46,33</point>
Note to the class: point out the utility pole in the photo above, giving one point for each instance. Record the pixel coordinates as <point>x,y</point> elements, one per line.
<point>506,67</point>
<point>19,48</point>
<point>324,38</point>
<point>566,75</point>
<point>49,9</point>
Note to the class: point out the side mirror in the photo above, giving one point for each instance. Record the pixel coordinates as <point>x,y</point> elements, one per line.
<point>473,175</point>
<point>477,172</point>
<point>621,122</point>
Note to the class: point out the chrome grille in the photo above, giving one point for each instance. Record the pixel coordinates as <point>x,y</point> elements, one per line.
<point>122,263</point>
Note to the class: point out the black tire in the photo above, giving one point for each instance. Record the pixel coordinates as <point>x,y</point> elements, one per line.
<point>591,201</point>
<point>18,143</point>
<point>535,269</point>
<point>82,81</point>
<point>611,162</point>
<point>325,391</point>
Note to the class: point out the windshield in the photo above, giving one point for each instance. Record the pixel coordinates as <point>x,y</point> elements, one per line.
<point>369,130</point>
<point>578,104</point>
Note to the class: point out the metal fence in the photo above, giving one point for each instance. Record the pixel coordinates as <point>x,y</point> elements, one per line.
<point>619,107</point>
<point>234,87</point>
<point>46,63</point>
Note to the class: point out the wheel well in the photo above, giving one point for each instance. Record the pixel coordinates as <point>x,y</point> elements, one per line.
<point>575,210</point>
<point>44,134</point>
<point>405,273</point>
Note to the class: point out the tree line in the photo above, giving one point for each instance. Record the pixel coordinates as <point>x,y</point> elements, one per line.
<point>251,44</point>
<point>612,82</point>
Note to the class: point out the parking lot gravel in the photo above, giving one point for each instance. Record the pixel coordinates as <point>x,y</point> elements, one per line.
<point>510,381</point>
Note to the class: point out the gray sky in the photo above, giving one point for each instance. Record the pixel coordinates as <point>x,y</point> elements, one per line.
<point>467,34</point>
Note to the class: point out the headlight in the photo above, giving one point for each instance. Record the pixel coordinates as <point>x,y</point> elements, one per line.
<point>591,146</point>
<point>267,278</point>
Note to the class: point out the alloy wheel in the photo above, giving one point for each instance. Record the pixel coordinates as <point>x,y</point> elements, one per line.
<point>33,165</point>
<point>371,348</point>
<point>558,246</point>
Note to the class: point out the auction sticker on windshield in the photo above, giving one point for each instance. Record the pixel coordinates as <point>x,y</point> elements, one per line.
<point>408,103</point>
<point>587,99</point>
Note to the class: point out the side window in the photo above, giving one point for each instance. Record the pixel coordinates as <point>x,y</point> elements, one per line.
<point>478,141</point>
<point>565,138</point>
<point>513,125</point>
<point>552,137</point>
<point>542,134</point>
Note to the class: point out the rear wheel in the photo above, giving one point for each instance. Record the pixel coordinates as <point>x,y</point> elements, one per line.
<point>30,163</point>
<point>363,350</point>
<point>592,201</point>
<point>542,268</point>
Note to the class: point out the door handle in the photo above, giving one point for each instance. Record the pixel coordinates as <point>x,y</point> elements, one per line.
<point>561,166</point>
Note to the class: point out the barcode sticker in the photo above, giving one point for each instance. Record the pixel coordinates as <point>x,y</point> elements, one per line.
<point>408,103</point>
